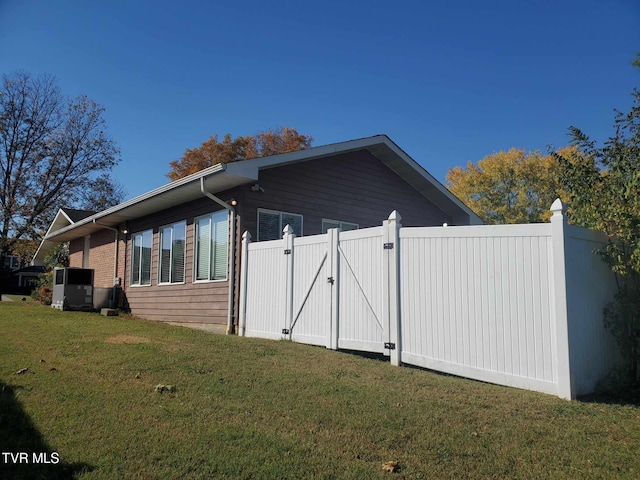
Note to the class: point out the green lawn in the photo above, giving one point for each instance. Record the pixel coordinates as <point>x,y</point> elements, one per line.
<point>248,408</point>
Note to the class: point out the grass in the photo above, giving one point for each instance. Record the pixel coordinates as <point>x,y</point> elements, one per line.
<point>250,408</point>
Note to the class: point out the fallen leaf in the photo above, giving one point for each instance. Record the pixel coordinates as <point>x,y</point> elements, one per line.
<point>390,466</point>
<point>21,371</point>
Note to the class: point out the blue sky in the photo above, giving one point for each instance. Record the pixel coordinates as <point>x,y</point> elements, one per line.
<point>448,81</point>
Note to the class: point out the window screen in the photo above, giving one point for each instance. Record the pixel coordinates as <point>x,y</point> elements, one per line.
<point>141,258</point>
<point>212,242</point>
<point>271,223</point>
<point>344,226</point>
<point>172,251</point>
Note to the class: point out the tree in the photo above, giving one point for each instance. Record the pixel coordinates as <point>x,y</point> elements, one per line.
<point>261,144</point>
<point>104,193</point>
<point>508,186</point>
<point>52,149</point>
<point>603,186</point>
<point>24,249</point>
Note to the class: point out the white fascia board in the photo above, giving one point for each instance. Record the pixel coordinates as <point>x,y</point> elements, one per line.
<point>145,196</point>
<point>44,247</point>
<point>473,218</point>
<point>314,152</point>
<point>61,219</point>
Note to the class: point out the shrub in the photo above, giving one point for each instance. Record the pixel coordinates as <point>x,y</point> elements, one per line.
<point>44,289</point>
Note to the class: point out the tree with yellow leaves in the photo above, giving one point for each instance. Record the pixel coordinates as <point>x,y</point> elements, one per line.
<point>511,186</point>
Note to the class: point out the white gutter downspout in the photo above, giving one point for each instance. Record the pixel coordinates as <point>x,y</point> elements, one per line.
<point>115,262</point>
<point>231,265</point>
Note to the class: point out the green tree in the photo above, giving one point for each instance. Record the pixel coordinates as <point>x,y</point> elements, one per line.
<point>511,186</point>
<point>261,144</point>
<point>52,150</point>
<point>603,186</point>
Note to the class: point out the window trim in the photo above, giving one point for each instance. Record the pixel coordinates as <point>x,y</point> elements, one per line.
<point>195,248</point>
<point>133,248</point>
<point>280,213</point>
<point>340,223</point>
<point>183,224</point>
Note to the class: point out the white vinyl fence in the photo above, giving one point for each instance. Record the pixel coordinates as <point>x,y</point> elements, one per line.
<point>516,305</point>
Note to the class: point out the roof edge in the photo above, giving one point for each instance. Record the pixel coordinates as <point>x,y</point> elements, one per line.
<point>145,196</point>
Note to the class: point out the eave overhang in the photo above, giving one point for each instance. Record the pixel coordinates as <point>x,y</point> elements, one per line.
<point>216,178</point>
<point>221,177</point>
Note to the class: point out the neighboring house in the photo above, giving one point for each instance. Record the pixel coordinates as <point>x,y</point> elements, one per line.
<point>12,263</point>
<point>170,254</point>
<point>21,278</point>
<point>24,280</point>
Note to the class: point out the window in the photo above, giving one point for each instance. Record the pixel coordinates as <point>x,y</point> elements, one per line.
<point>141,258</point>
<point>211,247</point>
<point>271,224</point>
<point>344,226</point>
<point>172,252</point>
<point>11,262</point>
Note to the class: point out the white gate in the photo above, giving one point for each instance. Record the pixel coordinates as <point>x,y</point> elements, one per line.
<point>361,323</point>
<point>291,288</point>
<point>309,269</point>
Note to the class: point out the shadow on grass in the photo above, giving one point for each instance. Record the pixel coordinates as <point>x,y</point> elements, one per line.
<point>628,396</point>
<point>370,355</point>
<point>23,451</point>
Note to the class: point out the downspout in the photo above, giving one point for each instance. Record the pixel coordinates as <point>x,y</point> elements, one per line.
<point>114,299</point>
<point>231,265</point>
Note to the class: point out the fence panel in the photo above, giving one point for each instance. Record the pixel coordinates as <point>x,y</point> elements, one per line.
<point>475,302</point>
<point>590,286</point>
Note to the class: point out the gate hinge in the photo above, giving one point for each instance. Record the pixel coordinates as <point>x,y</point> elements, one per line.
<point>388,246</point>
<point>389,346</point>
<point>285,331</point>
<point>330,280</point>
<point>287,251</point>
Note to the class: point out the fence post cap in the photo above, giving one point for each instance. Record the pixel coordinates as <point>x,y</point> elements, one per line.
<point>246,235</point>
<point>287,230</point>
<point>395,216</point>
<point>557,208</point>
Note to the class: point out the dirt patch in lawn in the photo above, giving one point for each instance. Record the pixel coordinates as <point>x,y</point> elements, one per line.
<point>128,339</point>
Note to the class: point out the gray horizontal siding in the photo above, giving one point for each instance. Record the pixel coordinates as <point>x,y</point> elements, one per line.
<point>354,187</point>
<point>188,302</point>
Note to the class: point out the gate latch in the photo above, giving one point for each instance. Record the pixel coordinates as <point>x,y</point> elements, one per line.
<point>388,246</point>
<point>389,346</point>
<point>287,251</point>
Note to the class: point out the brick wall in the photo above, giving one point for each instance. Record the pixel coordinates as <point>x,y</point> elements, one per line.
<point>75,252</point>
<point>101,258</point>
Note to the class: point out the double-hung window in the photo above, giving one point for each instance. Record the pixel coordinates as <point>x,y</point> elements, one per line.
<point>211,248</point>
<point>271,223</point>
<point>172,253</point>
<point>141,258</point>
<point>343,226</point>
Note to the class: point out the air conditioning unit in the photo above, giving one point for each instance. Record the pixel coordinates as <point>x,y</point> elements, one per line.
<point>72,289</point>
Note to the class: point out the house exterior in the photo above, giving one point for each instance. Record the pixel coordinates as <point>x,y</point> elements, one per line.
<point>173,254</point>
